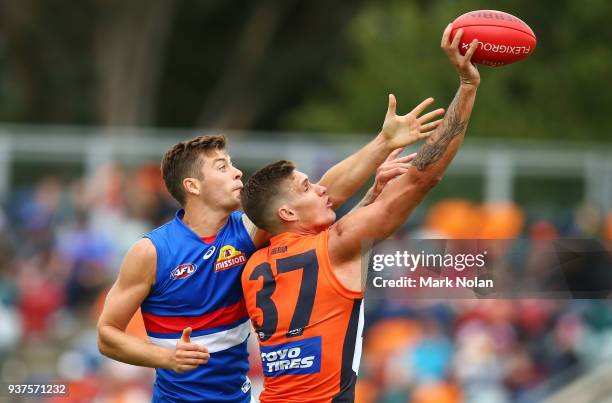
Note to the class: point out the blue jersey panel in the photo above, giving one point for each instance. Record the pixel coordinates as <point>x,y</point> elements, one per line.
<point>216,381</point>
<point>201,282</point>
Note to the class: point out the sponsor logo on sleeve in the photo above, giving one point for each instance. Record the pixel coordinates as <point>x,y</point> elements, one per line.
<point>294,358</point>
<point>229,257</point>
<point>183,271</point>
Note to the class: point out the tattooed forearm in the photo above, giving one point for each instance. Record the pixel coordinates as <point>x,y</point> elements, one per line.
<point>437,145</point>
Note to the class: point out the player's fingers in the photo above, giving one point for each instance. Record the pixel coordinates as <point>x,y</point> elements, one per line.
<point>193,354</point>
<point>471,50</point>
<point>457,39</point>
<point>193,347</point>
<point>422,106</point>
<point>391,167</point>
<point>405,163</point>
<point>186,335</point>
<point>431,125</point>
<point>392,108</point>
<point>192,361</point>
<point>395,165</point>
<point>189,347</point>
<point>411,156</point>
<point>402,159</point>
<point>183,368</point>
<point>392,173</point>
<point>393,155</point>
<point>446,35</point>
<point>431,115</point>
<point>424,135</point>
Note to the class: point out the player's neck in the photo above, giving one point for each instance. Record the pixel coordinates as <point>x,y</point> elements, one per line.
<point>297,229</point>
<point>205,221</point>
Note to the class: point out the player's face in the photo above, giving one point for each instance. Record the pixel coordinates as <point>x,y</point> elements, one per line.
<point>310,202</point>
<point>222,181</point>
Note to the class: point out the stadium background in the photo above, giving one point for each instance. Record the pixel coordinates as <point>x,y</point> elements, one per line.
<point>93,93</point>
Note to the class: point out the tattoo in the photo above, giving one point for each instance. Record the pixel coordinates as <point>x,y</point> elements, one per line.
<point>431,151</point>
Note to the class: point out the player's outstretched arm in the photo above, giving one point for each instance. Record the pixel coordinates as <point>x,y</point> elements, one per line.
<point>397,200</point>
<point>390,169</point>
<point>136,276</point>
<point>346,177</point>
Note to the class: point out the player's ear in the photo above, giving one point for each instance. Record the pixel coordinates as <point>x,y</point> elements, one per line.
<point>192,186</point>
<point>286,214</point>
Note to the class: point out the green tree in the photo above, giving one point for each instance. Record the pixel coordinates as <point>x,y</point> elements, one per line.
<point>163,62</point>
<point>561,92</point>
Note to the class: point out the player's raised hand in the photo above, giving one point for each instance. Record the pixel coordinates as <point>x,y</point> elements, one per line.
<point>188,355</point>
<point>468,73</point>
<point>403,130</point>
<point>390,169</point>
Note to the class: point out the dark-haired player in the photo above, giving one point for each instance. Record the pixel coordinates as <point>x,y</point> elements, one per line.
<point>185,275</point>
<point>304,292</point>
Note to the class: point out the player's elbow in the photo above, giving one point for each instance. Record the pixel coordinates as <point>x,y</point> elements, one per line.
<point>102,346</point>
<point>103,343</point>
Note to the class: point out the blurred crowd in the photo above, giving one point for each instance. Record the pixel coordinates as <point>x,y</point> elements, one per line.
<point>61,245</point>
<point>420,350</point>
<point>489,351</point>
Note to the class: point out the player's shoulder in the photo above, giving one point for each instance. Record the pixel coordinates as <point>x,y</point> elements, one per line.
<point>339,233</point>
<point>258,256</point>
<point>143,251</point>
<point>140,262</point>
<point>165,237</point>
<point>143,246</point>
<point>321,239</point>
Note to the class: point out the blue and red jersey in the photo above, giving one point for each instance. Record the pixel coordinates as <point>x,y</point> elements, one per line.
<point>197,285</point>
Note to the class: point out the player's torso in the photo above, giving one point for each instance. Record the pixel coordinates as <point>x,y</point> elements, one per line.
<point>307,323</point>
<point>198,285</point>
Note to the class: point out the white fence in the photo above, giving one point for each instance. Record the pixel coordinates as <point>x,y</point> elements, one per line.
<point>500,162</point>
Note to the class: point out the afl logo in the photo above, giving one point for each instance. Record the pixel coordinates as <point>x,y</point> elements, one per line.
<point>183,271</point>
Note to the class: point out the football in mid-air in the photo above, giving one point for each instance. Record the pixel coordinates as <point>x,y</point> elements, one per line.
<point>502,37</point>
